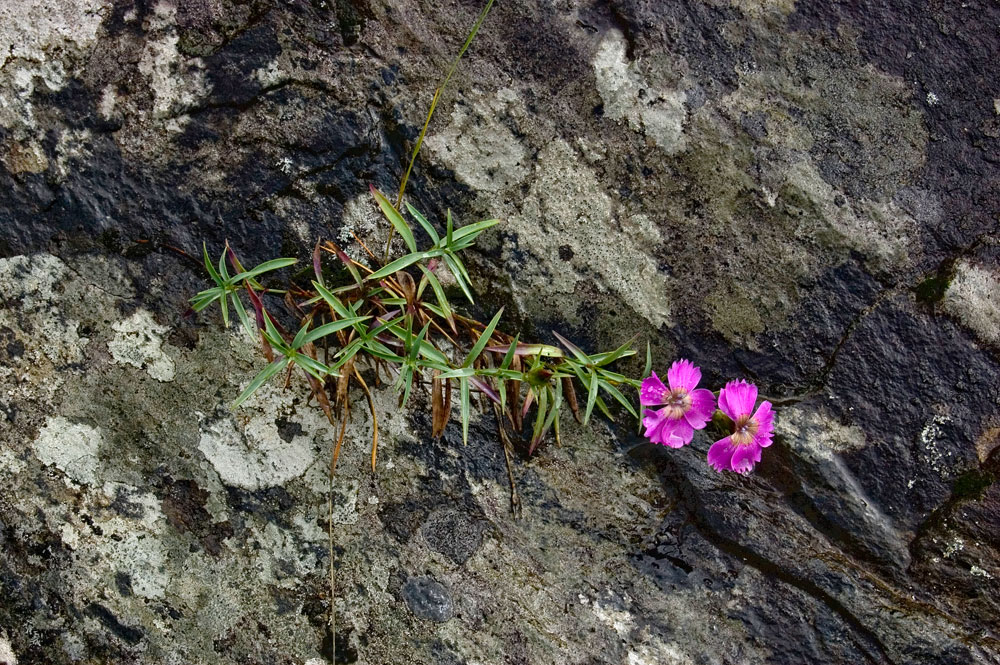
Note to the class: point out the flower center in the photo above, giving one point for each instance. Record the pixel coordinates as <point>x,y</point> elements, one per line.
<point>678,402</point>
<point>744,430</point>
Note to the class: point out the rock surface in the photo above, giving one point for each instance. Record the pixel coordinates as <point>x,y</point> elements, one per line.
<point>805,195</point>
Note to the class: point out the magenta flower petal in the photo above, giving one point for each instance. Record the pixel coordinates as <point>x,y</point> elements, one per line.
<point>744,458</point>
<point>720,455</point>
<point>683,374</point>
<point>683,432</point>
<point>652,421</point>
<point>702,406</point>
<point>652,391</point>
<point>765,421</point>
<point>737,399</point>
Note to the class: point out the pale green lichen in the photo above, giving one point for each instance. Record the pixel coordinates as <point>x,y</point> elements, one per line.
<point>973,296</point>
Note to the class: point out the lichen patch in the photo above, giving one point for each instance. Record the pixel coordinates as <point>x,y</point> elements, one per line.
<point>973,297</point>
<point>137,342</point>
<point>660,114</point>
<point>71,447</point>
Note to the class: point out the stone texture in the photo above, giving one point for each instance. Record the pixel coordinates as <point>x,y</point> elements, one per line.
<point>802,194</point>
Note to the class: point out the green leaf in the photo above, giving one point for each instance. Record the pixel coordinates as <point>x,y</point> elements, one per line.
<point>333,301</point>
<point>299,336</point>
<point>649,362</point>
<point>450,228</point>
<point>395,219</point>
<point>473,229</point>
<point>573,348</point>
<point>329,328</point>
<point>267,266</point>
<point>613,376</point>
<point>405,377</point>
<point>536,431</point>
<point>438,292</point>
<point>399,264</point>
<point>603,408</point>
<point>222,266</point>
<point>265,374</point>
<point>463,385</point>
<point>347,353</point>
<point>622,351</point>
<point>209,266</point>
<point>554,412</point>
<point>272,334</point>
<point>591,396</point>
<point>511,352</point>
<point>614,392</point>
<point>312,366</point>
<point>483,340</point>
<point>225,310</point>
<point>457,274</point>
<point>415,348</point>
<point>242,313</point>
<point>427,226</point>
<point>206,298</point>
<point>458,264</point>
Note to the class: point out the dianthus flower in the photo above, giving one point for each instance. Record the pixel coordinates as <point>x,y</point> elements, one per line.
<point>741,450</point>
<point>684,408</point>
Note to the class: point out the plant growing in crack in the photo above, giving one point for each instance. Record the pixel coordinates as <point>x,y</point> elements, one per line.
<point>380,316</point>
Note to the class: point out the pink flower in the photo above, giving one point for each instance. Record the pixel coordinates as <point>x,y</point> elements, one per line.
<point>684,408</point>
<point>741,450</point>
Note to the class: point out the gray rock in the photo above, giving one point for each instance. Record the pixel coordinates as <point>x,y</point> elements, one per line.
<point>428,599</point>
<point>801,194</point>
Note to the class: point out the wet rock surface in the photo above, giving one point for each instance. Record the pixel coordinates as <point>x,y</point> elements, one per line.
<point>804,195</point>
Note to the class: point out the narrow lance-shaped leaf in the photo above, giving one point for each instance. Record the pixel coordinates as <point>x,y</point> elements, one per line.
<point>427,226</point>
<point>623,351</point>
<point>457,274</point>
<point>241,312</point>
<point>463,386</point>
<point>395,219</point>
<point>536,431</point>
<point>439,293</point>
<point>483,340</point>
<point>225,310</point>
<point>334,302</point>
<point>297,341</point>
<point>267,266</point>
<point>591,397</point>
<point>573,348</point>
<point>399,264</point>
<point>406,383</point>
<point>313,367</point>
<point>317,264</point>
<point>507,360</point>
<point>603,408</point>
<point>471,229</point>
<point>209,266</point>
<point>259,380</point>
<point>348,262</point>
<point>329,329</point>
<point>614,392</point>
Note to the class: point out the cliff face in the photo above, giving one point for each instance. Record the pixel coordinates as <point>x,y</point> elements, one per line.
<point>805,196</point>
